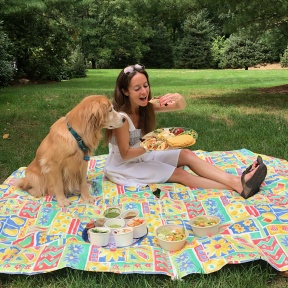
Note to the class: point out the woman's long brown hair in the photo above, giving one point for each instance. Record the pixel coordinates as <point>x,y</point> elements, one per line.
<point>121,102</point>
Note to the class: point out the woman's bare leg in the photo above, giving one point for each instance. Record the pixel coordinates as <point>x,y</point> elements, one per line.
<point>209,176</point>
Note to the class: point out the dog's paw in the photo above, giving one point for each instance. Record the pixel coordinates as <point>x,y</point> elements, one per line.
<point>88,198</point>
<point>63,202</point>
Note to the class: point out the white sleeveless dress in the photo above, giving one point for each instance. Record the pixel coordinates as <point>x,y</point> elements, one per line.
<point>149,168</point>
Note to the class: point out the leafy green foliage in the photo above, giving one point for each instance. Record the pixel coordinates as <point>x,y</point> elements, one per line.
<point>217,50</point>
<point>114,33</point>
<point>76,67</point>
<point>42,42</point>
<point>255,16</point>
<point>240,52</point>
<point>6,69</point>
<point>160,54</point>
<point>284,58</point>
<point>194,50</point>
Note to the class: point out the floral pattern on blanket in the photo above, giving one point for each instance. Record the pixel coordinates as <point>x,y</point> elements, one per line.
<point>36,236</point>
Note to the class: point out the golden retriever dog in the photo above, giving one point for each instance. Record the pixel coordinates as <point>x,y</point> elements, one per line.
<point>60,165</point>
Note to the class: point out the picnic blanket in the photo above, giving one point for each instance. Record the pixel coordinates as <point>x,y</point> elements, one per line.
<point>36,236</point>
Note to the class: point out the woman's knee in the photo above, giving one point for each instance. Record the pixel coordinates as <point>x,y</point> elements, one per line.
<point>185,156</point>
<point>178,175</point>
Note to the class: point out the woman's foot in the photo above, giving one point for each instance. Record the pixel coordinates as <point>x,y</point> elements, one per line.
<point>253,177</point>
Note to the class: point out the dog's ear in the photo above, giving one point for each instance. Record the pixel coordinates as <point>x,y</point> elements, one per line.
<point>99,112</point>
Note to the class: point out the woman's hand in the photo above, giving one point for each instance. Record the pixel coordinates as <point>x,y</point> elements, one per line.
<point>170,102</point>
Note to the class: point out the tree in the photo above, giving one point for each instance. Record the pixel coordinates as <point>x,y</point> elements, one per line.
<point>284,58</point>
<point>41,38</point>
<point>194,49</point>
<point>6,69</point>
<point>217,50</point>
<point>109,31</point>
<point>240,52</point>
<point>258,18</point>
<point>160,53</point>
<point>254,16</point>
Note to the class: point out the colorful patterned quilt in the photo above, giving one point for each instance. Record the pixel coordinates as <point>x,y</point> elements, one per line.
<point>36,236</point>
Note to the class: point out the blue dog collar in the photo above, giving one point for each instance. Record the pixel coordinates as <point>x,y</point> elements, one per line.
<point>80,142</point>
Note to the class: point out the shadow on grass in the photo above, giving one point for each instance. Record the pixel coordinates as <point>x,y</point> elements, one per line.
<point>230,122</point>
<point>251,98</point>
<point>246,118</point>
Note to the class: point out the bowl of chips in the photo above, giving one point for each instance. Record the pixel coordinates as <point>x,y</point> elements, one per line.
<point>206,225</point>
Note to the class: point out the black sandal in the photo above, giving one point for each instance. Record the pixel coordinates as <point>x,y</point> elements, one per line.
<point>252,186</point>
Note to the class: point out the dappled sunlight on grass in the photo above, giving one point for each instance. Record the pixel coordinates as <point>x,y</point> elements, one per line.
<point>226,107</point>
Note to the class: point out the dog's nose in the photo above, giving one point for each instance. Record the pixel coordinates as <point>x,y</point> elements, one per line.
<point>123,119</point>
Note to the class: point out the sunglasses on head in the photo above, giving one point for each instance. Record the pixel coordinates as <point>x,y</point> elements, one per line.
<point>132,68</point>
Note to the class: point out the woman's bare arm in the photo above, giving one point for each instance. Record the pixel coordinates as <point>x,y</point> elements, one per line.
<point>122,136</point>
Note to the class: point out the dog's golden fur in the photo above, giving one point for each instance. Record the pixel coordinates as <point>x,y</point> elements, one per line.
<point>59,168</point>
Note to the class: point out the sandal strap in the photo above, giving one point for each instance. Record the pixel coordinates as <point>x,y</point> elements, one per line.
<point>247,170</point>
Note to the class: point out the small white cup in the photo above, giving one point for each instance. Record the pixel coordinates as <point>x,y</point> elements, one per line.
<point>138,230</point>
<point>114,223</point>
<point>123,236</point>
<point>129,214</point>
<point>99,236</point>
<point>111,213</point>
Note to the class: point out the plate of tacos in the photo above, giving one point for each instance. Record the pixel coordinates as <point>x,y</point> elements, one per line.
<point>169,138</point>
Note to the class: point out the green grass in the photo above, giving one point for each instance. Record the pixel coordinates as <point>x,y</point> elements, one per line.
<point>250,275</point>
<point>225,107</point>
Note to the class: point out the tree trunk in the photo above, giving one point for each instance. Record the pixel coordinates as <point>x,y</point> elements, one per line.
<point>93,63</point>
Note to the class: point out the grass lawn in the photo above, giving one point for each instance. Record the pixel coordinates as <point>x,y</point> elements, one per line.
<point>227,108</point>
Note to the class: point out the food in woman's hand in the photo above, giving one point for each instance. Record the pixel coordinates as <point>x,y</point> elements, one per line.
<point>156,101</point>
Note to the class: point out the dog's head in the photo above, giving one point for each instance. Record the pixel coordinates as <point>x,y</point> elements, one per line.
<point>95,112</point>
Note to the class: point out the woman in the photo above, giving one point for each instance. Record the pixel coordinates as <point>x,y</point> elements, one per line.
<point>129,164</point>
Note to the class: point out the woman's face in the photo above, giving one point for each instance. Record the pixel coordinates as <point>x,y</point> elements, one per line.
<point>138,90</point>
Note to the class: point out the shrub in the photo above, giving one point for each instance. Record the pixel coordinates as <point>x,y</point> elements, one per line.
<point>76,67</point>
<point>284,59</point>
<point>241,52</point>
<point>6,68</point>
<point>217,49</point>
